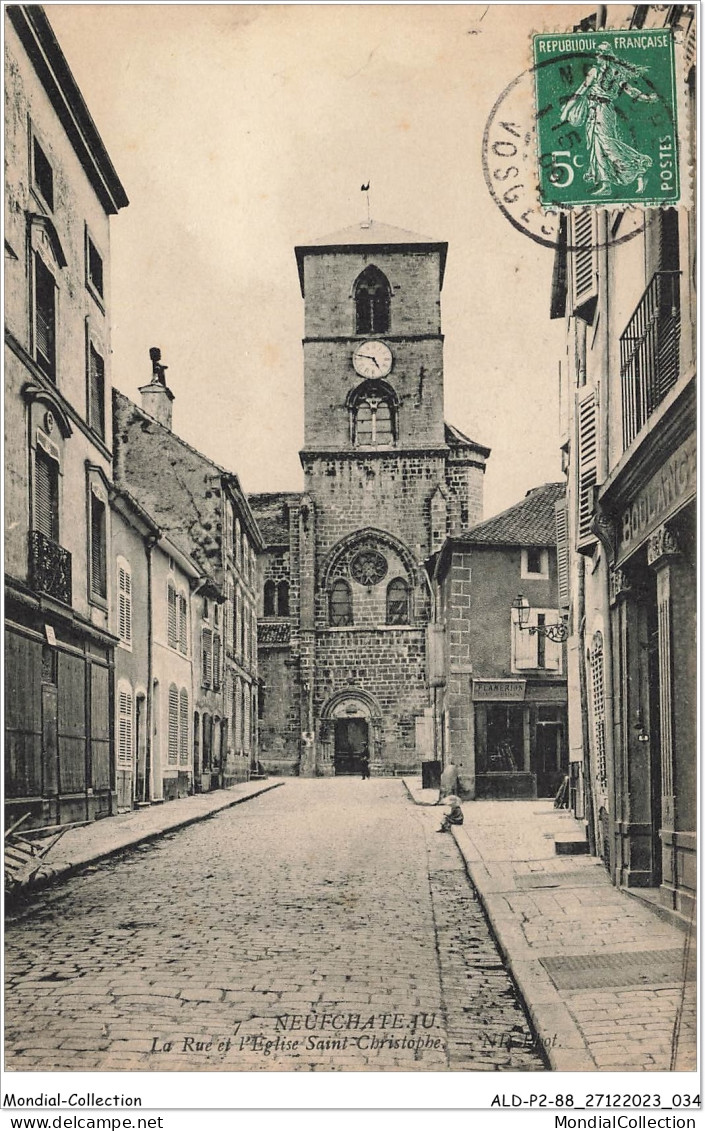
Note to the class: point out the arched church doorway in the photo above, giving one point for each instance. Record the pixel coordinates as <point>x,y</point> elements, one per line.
<point>352,745</point>
<point>350,732</point>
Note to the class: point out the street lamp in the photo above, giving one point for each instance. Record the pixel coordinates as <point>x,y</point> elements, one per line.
<point>558,633</point>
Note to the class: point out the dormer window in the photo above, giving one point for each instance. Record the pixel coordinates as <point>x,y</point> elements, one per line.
<point>372,295</point>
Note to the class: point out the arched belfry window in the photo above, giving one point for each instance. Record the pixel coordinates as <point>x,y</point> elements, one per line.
<point>340,604</point>
<point>398,601</point>
<point>270,599</point>
<point>283,598</point>
<point>372,294</point>
<point>373,407</point>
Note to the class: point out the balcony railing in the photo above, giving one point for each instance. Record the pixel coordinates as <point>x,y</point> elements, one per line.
<point>49,567</point>
<point>649,352</point>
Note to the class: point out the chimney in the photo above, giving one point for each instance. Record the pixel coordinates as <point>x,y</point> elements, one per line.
<point>157,396</point>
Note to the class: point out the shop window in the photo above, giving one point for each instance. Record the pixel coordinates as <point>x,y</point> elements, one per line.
<point>500,745</point>
<point>398,602</point>
<point>372,302</point>
<point>340,604</point>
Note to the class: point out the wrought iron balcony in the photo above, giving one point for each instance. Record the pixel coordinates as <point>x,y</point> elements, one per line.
<point>49,567</point>
<point>649,352</point>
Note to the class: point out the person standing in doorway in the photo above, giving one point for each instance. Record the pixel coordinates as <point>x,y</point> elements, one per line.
<point>365,761</point>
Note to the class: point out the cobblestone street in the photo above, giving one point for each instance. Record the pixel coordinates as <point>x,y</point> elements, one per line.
<point>322,926</point>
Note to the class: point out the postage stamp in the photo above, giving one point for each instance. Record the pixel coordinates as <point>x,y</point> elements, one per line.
<point>606,118</point>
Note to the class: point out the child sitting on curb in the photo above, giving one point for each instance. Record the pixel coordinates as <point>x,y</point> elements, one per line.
<point>454,815</point>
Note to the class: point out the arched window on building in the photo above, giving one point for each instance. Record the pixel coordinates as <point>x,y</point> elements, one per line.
<point>283,599</point>
<point>270,598</point>
<point>374,419</point>
<point>398,601</point>
<point>340,604</point>
<point>372,295</point>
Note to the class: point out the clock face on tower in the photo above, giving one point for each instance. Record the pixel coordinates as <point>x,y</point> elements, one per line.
<point>372,359</point>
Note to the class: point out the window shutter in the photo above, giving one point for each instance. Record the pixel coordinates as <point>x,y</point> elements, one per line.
<point>124,758</point>
<point>124,604</point>
<point>98,560</point>
<point>183,728</point>
<point>597,679</point>
<point>216,661</point>
<point>46,496</point>
<point>183,624</point>
<point>172,627</point>
<point>44,317</point>
<point>587,466</point>
<point>562,554</point>
<point>96,406</point>
<point>524,645</point>
<point>206,656</point>
<point>584,272</point>
<point>173,747</point>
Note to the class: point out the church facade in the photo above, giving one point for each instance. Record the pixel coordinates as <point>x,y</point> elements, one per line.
<point>345,600</point>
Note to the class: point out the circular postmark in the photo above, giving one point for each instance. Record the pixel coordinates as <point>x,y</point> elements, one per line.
<point>510,157</point>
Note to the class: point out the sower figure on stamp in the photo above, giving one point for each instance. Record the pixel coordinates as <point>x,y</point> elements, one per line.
<point>453,815</point>
<point>612,161</point>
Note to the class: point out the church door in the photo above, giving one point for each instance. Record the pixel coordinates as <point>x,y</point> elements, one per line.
<point>352,740</point>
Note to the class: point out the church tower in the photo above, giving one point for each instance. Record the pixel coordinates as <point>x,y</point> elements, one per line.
<point>385,481</point>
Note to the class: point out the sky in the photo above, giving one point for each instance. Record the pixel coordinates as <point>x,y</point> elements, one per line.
<point>240,131</point>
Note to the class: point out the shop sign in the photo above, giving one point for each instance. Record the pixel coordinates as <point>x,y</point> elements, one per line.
<point>672,486</point>
<point>499,690</point>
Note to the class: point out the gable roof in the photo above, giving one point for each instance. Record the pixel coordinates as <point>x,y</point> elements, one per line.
<point>371,236</point>
<point>531,522</point>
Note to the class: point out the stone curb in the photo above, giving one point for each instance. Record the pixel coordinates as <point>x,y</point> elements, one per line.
<point>71,867</point>
<point>559,1036</point>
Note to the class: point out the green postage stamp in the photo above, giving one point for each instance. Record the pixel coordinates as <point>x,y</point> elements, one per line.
<point>606,118</point>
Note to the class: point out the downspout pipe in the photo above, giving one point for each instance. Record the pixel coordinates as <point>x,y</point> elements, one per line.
<point>603,528</point>
<point>149,544</point>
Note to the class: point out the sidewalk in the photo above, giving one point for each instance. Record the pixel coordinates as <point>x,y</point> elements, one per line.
<point>83,846</point>
<point>607,983</point>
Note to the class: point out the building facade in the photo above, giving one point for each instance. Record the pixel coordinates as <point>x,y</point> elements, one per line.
<point>626,287</point>
<point>497,666</point>
<point>61,190</point>
<point>201,509</point>
<point>344,596</point>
